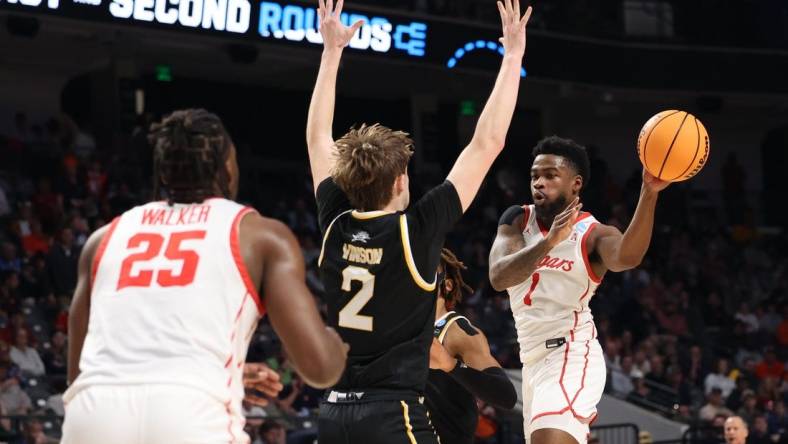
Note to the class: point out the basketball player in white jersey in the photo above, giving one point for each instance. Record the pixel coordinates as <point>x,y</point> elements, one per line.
<point>167,301</point>
<point>551,257</point>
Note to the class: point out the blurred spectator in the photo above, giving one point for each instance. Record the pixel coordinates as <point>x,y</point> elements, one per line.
<point>713,406</point>
<point>641,363</point>
<point>621,379</point>
<point>657,374</point>
<point>36,241</point>
<point>695,368</point>
<point>35,281</point>
<point>48,205</point>
<point>683,392</point>
<point>770,366</point>
<point>9,284</point>
<point>5,206</point>
<point>9,261</point>
<point>33,433</point>
<point>760,431</point>
<point>63,260</point>
<point>272,432</point>
<point>254,414</point>
<point>749,408</point>
<point>770,319</point>
<point>736,398</point>
<point>778,420</point>
<point>745,315</point>
<point>720,379</point>
<point>26,357</point>
<point>12,398</point>
<point>782,329</point>
<point>55,358</point>
<point>735,430</point>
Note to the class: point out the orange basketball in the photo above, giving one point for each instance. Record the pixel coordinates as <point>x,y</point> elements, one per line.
<point>673,145</point>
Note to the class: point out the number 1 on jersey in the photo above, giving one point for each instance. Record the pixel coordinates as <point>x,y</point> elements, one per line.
<point>348,316</point>
<point>534,282</point>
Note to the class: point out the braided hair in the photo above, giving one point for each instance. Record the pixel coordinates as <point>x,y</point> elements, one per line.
<point>190,148</point>
<point>452,269</point>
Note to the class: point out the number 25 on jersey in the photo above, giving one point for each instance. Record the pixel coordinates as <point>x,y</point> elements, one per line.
<point>174,252</point>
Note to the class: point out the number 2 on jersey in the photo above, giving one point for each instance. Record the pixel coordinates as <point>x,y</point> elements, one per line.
<point>534,282</point>
<point>348,316</point>
<point>173,252</point>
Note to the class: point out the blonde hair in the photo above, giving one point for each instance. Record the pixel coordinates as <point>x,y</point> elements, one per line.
<point>368,161</point>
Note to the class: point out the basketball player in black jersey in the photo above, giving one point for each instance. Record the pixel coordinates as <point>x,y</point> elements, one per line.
<point>380,253</point>
<point>461,366</point>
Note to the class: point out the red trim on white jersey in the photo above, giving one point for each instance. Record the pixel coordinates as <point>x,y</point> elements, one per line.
<point>584,248</point>
<point>542,228</point>
<point>583,379</point>
<point>239,262</point>
<point>582,215</point>
<point>570,404</point>
<point>101,248</point>
<point>526,216</point>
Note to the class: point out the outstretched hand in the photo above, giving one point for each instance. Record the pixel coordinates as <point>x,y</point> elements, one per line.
<point>513,26</point>
<point>335,34</point>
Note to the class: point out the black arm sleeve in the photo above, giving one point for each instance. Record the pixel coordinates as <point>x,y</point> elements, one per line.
<point>331,201</point>
<point>510,215</point>
<point>490,385</point>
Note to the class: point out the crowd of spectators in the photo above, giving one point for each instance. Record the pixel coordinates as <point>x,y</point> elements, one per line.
<point>698,332</point>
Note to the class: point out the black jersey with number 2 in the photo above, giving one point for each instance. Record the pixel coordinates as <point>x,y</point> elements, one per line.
<point>378,269</point>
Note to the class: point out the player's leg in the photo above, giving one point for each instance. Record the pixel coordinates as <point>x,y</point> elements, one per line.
<point>567,389</point>
<point>528,395</point>
<point>392,422</point>
<point>552,436</point>
<point>331,427</point>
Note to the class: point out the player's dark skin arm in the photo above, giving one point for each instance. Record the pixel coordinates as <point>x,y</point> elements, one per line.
<point>474,351</point>
<point>618,252</point>
<point>273,257</point>
<point>80,304</point>
<point>511,262</point>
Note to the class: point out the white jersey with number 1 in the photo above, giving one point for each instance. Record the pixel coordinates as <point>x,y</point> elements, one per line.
<point>563,366</point>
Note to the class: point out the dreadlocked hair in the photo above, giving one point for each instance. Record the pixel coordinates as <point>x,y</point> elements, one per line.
<point>453,268</point>
<point>190,148</point>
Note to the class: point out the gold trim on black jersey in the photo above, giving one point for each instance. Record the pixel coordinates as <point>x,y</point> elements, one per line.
<point>408,427</point>
<point>369,214</point>
<point>414,272</point>
<point>325,237</point>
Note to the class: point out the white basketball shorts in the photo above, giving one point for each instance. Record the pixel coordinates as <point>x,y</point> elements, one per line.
<point>562,388</point>
<point>149,414</point>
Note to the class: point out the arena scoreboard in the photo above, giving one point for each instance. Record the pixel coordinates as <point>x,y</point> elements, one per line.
<point>448,45</point>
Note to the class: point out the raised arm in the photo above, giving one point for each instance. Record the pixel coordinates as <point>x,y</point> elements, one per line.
<point>511,262</point>
<point>465,355</point>
<point>319,138</point>
<point>79,312</point>
<point>619,252</point>
<point>490,135</point>
<point>316,351</point>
